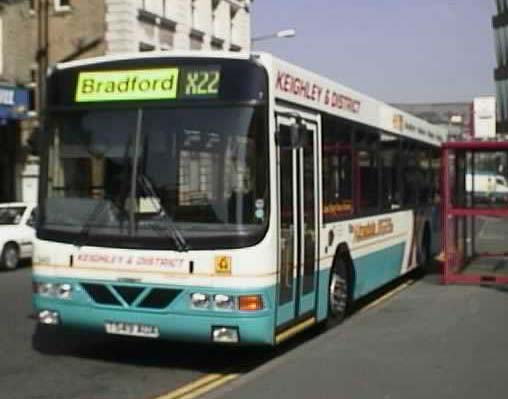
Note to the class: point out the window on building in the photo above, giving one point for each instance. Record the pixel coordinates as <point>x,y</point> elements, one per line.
<point>157,7</point>
<point>337,169</point>
<point>31,5</point>
<point>166,38</point>
<point>217,44</point>
<point>146,47</point>
<point>62,5</point>
<point>196,40</point>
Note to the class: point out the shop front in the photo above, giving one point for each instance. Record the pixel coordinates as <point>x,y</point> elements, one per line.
<point>13,109</point>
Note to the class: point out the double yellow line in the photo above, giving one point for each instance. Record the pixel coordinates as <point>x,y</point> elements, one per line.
<point>199,387</point>
<point>210,382</point>
<point>387,296</point>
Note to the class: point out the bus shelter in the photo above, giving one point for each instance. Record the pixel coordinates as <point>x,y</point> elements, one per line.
<point>475,212</point>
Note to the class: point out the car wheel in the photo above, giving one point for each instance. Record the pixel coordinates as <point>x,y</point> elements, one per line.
<point>10,256</point>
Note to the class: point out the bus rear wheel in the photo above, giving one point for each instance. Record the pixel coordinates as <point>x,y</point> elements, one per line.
<point>338,294</point>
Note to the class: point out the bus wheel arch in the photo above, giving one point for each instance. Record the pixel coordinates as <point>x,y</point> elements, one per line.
<point>341,284</point>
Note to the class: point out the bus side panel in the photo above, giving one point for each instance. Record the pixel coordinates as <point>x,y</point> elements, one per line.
<point>381,248</point>
<point>324,281</point>
<point>377,268</point>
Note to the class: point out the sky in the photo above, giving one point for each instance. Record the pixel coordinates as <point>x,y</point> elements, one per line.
<point>394,50</point>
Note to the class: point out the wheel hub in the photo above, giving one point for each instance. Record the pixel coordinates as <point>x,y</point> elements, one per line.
<point>338,295</point>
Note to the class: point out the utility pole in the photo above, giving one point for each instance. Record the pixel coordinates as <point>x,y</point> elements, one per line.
<point>42,57</point>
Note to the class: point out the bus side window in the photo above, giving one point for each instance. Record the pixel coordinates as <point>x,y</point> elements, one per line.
<point>410,175</point>
<point>390,160</point>
<point>337,169</point>
<point>367,170</point>
<point>436,175</point>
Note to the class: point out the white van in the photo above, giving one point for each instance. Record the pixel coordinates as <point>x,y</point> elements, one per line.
<point>488,186</point>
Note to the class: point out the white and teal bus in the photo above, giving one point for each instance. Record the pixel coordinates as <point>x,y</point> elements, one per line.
<point>228,198</point>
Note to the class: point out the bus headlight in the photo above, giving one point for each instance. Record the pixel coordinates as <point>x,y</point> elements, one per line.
<point>63,291</point>
<point>200,301</point>
<point>224,302</point>
<point>43,289</point>
<point>53,290</point>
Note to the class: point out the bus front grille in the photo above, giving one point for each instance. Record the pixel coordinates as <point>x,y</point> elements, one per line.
<point>124,296</point>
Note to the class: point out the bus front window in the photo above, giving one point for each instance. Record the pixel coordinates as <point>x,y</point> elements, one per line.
<point>134,177</point>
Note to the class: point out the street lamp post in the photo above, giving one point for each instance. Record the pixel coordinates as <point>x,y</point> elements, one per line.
<point>286,33</point>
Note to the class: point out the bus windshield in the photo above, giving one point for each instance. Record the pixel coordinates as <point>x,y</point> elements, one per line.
<point>142,177</point>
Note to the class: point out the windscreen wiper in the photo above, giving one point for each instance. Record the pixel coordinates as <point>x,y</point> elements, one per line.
<point>84,234</point>
<point>171,229</point>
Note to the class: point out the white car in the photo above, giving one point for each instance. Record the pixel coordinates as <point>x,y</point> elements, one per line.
<point>17,233</point>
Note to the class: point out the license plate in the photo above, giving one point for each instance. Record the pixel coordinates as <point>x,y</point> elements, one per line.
<point>131,329</point>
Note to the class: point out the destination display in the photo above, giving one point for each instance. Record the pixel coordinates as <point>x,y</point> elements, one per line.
<point>166,82</point>
<point>148,84</point>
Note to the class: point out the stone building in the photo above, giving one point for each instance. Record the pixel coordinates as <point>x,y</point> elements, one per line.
<point>89,28</point>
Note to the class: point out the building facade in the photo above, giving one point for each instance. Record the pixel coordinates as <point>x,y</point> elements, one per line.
<point>88,28</point>
<point>456,118</point>
<point>500,25</point>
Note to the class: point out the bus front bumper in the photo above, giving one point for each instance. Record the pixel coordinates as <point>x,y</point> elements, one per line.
<point>178,322</point>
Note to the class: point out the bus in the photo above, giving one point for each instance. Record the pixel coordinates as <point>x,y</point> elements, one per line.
<point>223,197</point>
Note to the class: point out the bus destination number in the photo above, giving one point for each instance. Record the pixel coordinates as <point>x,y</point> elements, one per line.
<point>201,82</point>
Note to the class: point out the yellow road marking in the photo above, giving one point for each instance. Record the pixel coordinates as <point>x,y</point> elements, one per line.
<point>294,330</point>
<point>212,381</point>
<point>388,295</point>
<point>200,386</point>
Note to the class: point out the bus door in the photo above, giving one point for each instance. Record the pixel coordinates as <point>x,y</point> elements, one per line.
<point>298,222</point>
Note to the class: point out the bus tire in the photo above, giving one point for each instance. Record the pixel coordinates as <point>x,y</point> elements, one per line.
<point>338,292</point>
<point>10,256</point>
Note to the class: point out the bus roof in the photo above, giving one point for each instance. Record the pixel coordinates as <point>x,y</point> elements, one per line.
<point>294,84</point>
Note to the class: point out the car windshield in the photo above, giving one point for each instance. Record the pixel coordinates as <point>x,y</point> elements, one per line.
<point>144,176</point>
<point>11,215</point>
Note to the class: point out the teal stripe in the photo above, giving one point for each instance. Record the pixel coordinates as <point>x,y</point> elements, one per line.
<point>376,269</point>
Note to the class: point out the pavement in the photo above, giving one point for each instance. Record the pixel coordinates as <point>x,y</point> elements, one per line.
<point>428,341</point>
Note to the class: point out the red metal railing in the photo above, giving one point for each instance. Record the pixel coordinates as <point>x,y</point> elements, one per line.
<point>475,235</point>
